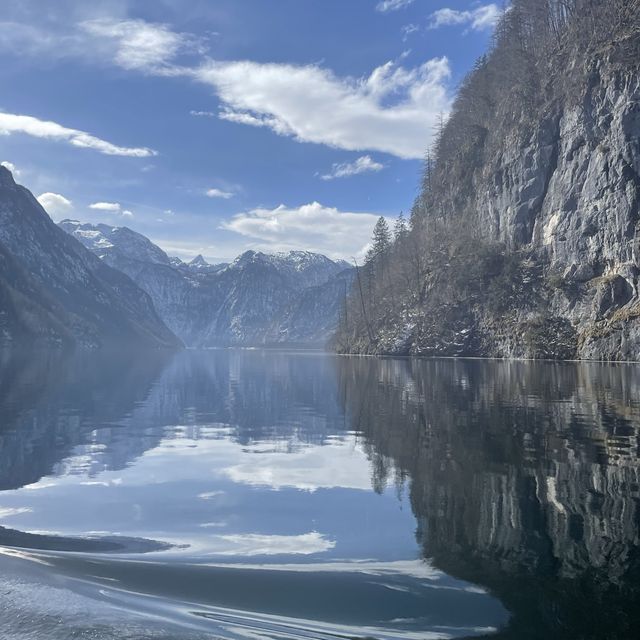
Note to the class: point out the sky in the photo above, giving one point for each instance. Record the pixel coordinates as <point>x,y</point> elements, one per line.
<point>218,126</point>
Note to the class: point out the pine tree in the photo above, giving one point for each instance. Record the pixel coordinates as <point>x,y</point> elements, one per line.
<point>427,175</point>
<point>400,229</point>
<point>380,242</point>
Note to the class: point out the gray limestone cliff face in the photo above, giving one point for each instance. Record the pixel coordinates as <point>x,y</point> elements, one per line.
<point>571,195</point>
<point>174,291</point>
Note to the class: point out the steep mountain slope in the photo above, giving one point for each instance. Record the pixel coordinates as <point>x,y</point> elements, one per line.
<point>315,312</point>
<point>524,241</point>
<point>26,310</point>
<point>175,297</point>
<point>292,297</point>
<point>54,291</point>
<point>280,298</point>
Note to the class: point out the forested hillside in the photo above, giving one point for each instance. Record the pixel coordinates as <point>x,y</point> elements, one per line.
<point>523,241</point>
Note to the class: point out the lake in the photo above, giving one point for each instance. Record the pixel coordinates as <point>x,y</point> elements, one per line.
<point>253,494</point>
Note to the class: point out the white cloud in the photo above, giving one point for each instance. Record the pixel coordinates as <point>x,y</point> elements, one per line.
<point>10,512</point>
<point>12,167</point>
<point>313,227</point>
<point>392,5</point>
<point>254,544</point>
<point>419,569</point>
<point>340,463</point>
<point>393,110</point>
<point>484,17</point>
<point>130,43</point>
<point>210,494</point>
<point>111,207</point>
<point>56,205</point>
<point>142,45</point>
<point>31,40</point>
<point>11,123</point>
<point>364,164</point>
<point>203,114</point>
<point>218,193</point>
<point>114,207</point>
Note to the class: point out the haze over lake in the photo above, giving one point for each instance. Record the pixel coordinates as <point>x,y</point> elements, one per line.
<point>295,494</point>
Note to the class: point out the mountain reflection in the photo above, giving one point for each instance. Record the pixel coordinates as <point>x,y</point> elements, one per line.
<point>523,477</point>
<point>51,402</point>
<point>111,408</point>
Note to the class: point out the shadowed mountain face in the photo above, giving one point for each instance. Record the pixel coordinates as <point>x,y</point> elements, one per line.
<point>258,299</point>
<point>52,290</point>
<point>524,478</point>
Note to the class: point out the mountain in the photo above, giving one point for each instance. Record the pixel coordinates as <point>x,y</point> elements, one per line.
<point>54,291</point>
<point>200,265</point>
<point>258,299</point>
<point>293,297</point>
<point>131,253</point>
<point>525,238</point>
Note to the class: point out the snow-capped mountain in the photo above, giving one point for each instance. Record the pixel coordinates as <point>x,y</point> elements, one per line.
<point>301,269</point>
<point>107,241</point>
<point>198,265</point>
<point>259,298</point>
<point>52,290</point>
<point>168,281</point>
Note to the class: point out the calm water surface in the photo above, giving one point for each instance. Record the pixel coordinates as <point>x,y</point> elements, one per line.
<point>259,494</point>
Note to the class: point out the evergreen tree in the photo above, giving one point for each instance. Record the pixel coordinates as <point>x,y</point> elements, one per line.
<point>400,230</point>
<point>380,242</point>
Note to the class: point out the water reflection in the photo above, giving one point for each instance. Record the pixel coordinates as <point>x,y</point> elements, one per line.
<point>289,495</point>
<point>524,478</point>
<point>51,402</point>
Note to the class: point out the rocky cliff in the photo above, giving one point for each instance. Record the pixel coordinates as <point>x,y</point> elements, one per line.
<point>54,291</point>
<point>569,194</point>
<point>524,241</point>
<point>258,299</point>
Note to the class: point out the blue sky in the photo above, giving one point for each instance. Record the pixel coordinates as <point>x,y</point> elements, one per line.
<point>216,126</point>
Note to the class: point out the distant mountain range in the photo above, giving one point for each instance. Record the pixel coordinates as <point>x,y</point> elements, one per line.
<point>258,299</point>
<point>98,285</point>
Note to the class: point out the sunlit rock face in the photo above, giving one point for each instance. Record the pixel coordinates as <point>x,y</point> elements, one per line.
<point>524,478</point>
<point>52,290</point>
<point>292,298</point>
<point>571,194</point>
